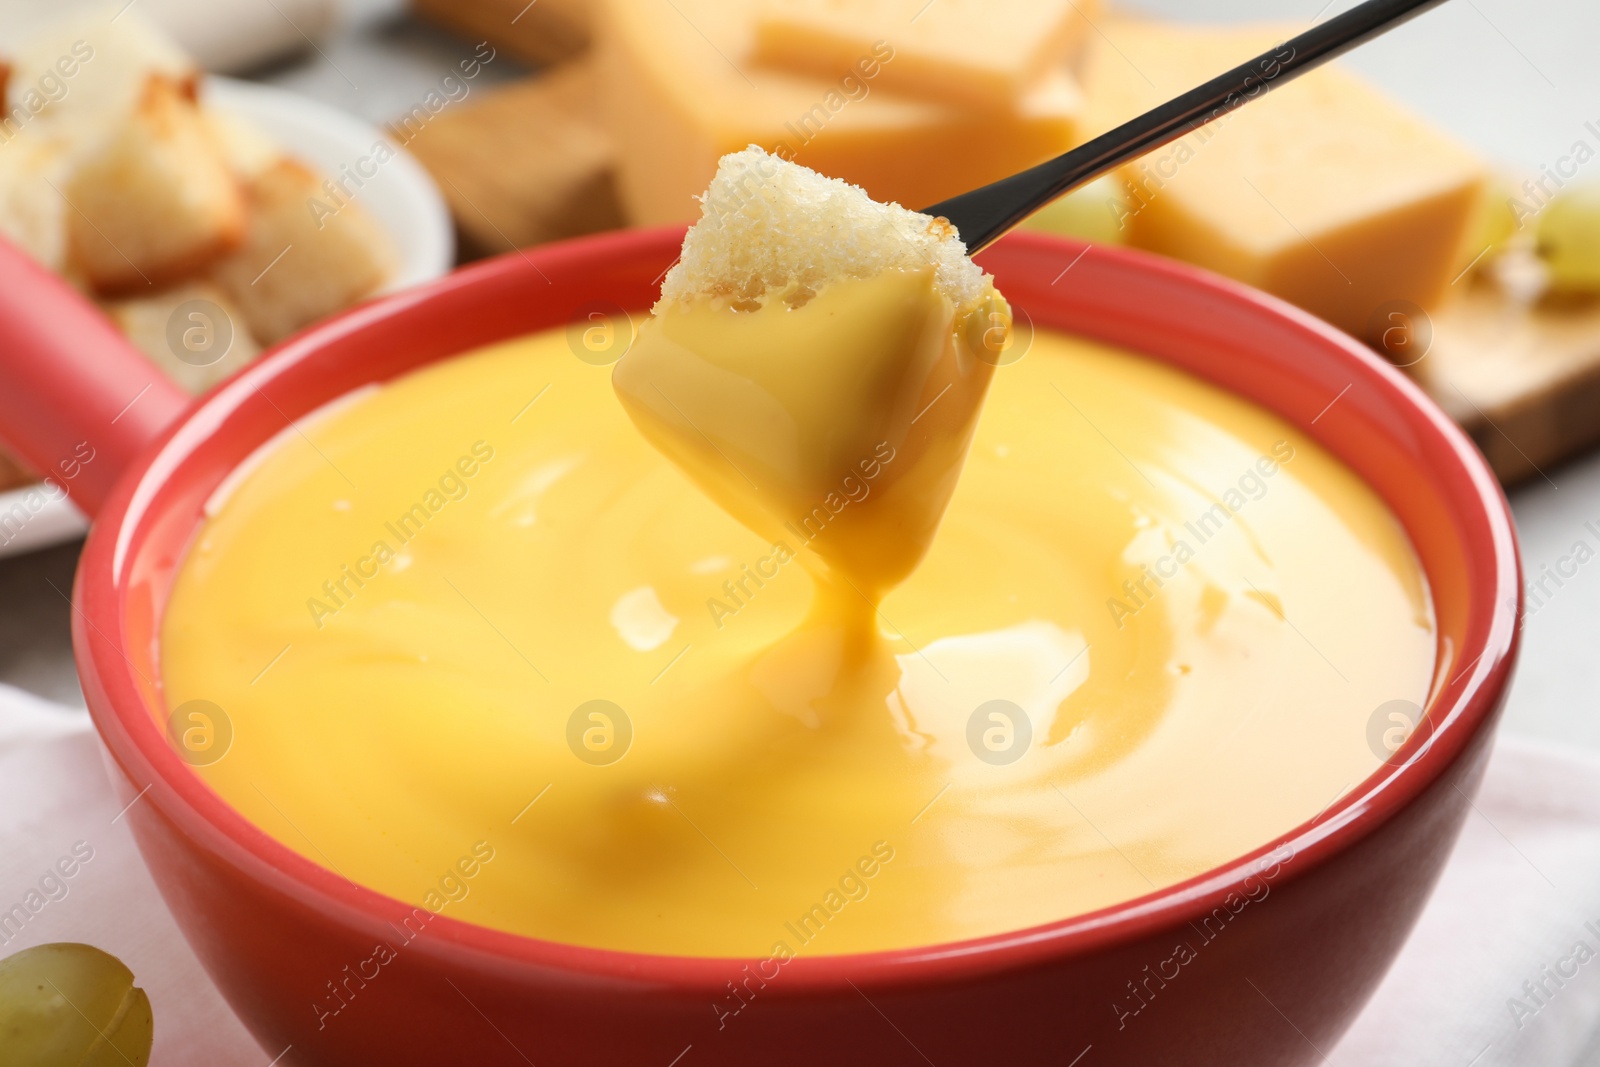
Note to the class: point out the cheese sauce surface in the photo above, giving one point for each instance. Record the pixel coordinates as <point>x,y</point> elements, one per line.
<point>481,648</point>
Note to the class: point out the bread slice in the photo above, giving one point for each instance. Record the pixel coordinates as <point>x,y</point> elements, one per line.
<point>770,225</point>
<point>191,332</point>
<point>154,201</point>
<point>297,265</point>
<point>969,53</point>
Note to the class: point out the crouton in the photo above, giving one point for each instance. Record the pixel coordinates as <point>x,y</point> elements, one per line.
<point>810,335</point>
<point>297,264</point>
<point>246,150</point>
<point>88,71</point>
<point>767,224</point>
<point>192,333</point>
<point>154,201</point>
<point>32,213</point>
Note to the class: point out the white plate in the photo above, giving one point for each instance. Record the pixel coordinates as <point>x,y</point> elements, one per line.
<point>402,197</point>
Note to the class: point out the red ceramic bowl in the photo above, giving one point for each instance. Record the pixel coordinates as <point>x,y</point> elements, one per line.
<point>1261,962</point>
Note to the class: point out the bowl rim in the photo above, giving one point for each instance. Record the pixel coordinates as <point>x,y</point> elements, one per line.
<point>1457,710</point>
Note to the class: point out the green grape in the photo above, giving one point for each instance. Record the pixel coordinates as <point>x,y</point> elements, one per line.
<point>1092,212</point>
<point>1569,240</point>
<point>1493,225</point>
<point>69,1004</point>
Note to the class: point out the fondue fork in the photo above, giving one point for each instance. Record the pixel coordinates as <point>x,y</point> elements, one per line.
<point>984,214</point>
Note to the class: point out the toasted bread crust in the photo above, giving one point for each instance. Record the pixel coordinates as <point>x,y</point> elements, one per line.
<point>155,202</point>
<point>769,225</point>
<point>296,265</point>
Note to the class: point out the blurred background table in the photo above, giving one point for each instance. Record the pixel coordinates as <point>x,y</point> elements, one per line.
<point>1516,80</point>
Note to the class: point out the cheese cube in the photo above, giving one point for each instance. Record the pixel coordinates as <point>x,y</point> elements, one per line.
<point>681,89</point>
<point>978,53</point>
<point>1323,192</point>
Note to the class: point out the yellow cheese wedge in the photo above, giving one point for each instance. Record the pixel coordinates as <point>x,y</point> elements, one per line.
<point>681,88</point>
<point>1324,192</point>
<point>979,53</point>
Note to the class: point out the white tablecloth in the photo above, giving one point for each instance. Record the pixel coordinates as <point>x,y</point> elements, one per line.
<point>1513,908</point>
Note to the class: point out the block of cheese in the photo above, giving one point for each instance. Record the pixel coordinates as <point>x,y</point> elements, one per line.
<point>681,89</point>
<point>983,53</point>
<point>1323,192</point>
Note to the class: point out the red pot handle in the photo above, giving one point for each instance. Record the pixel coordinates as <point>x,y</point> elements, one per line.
<point>77,400</point>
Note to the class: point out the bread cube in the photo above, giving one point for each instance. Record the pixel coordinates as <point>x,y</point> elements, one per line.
<point>307,254</point>
<point>245,150</point>
<point>192,333</point>
<point>154,201</point>
<point>84,74</point>
<point>32,212</point>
